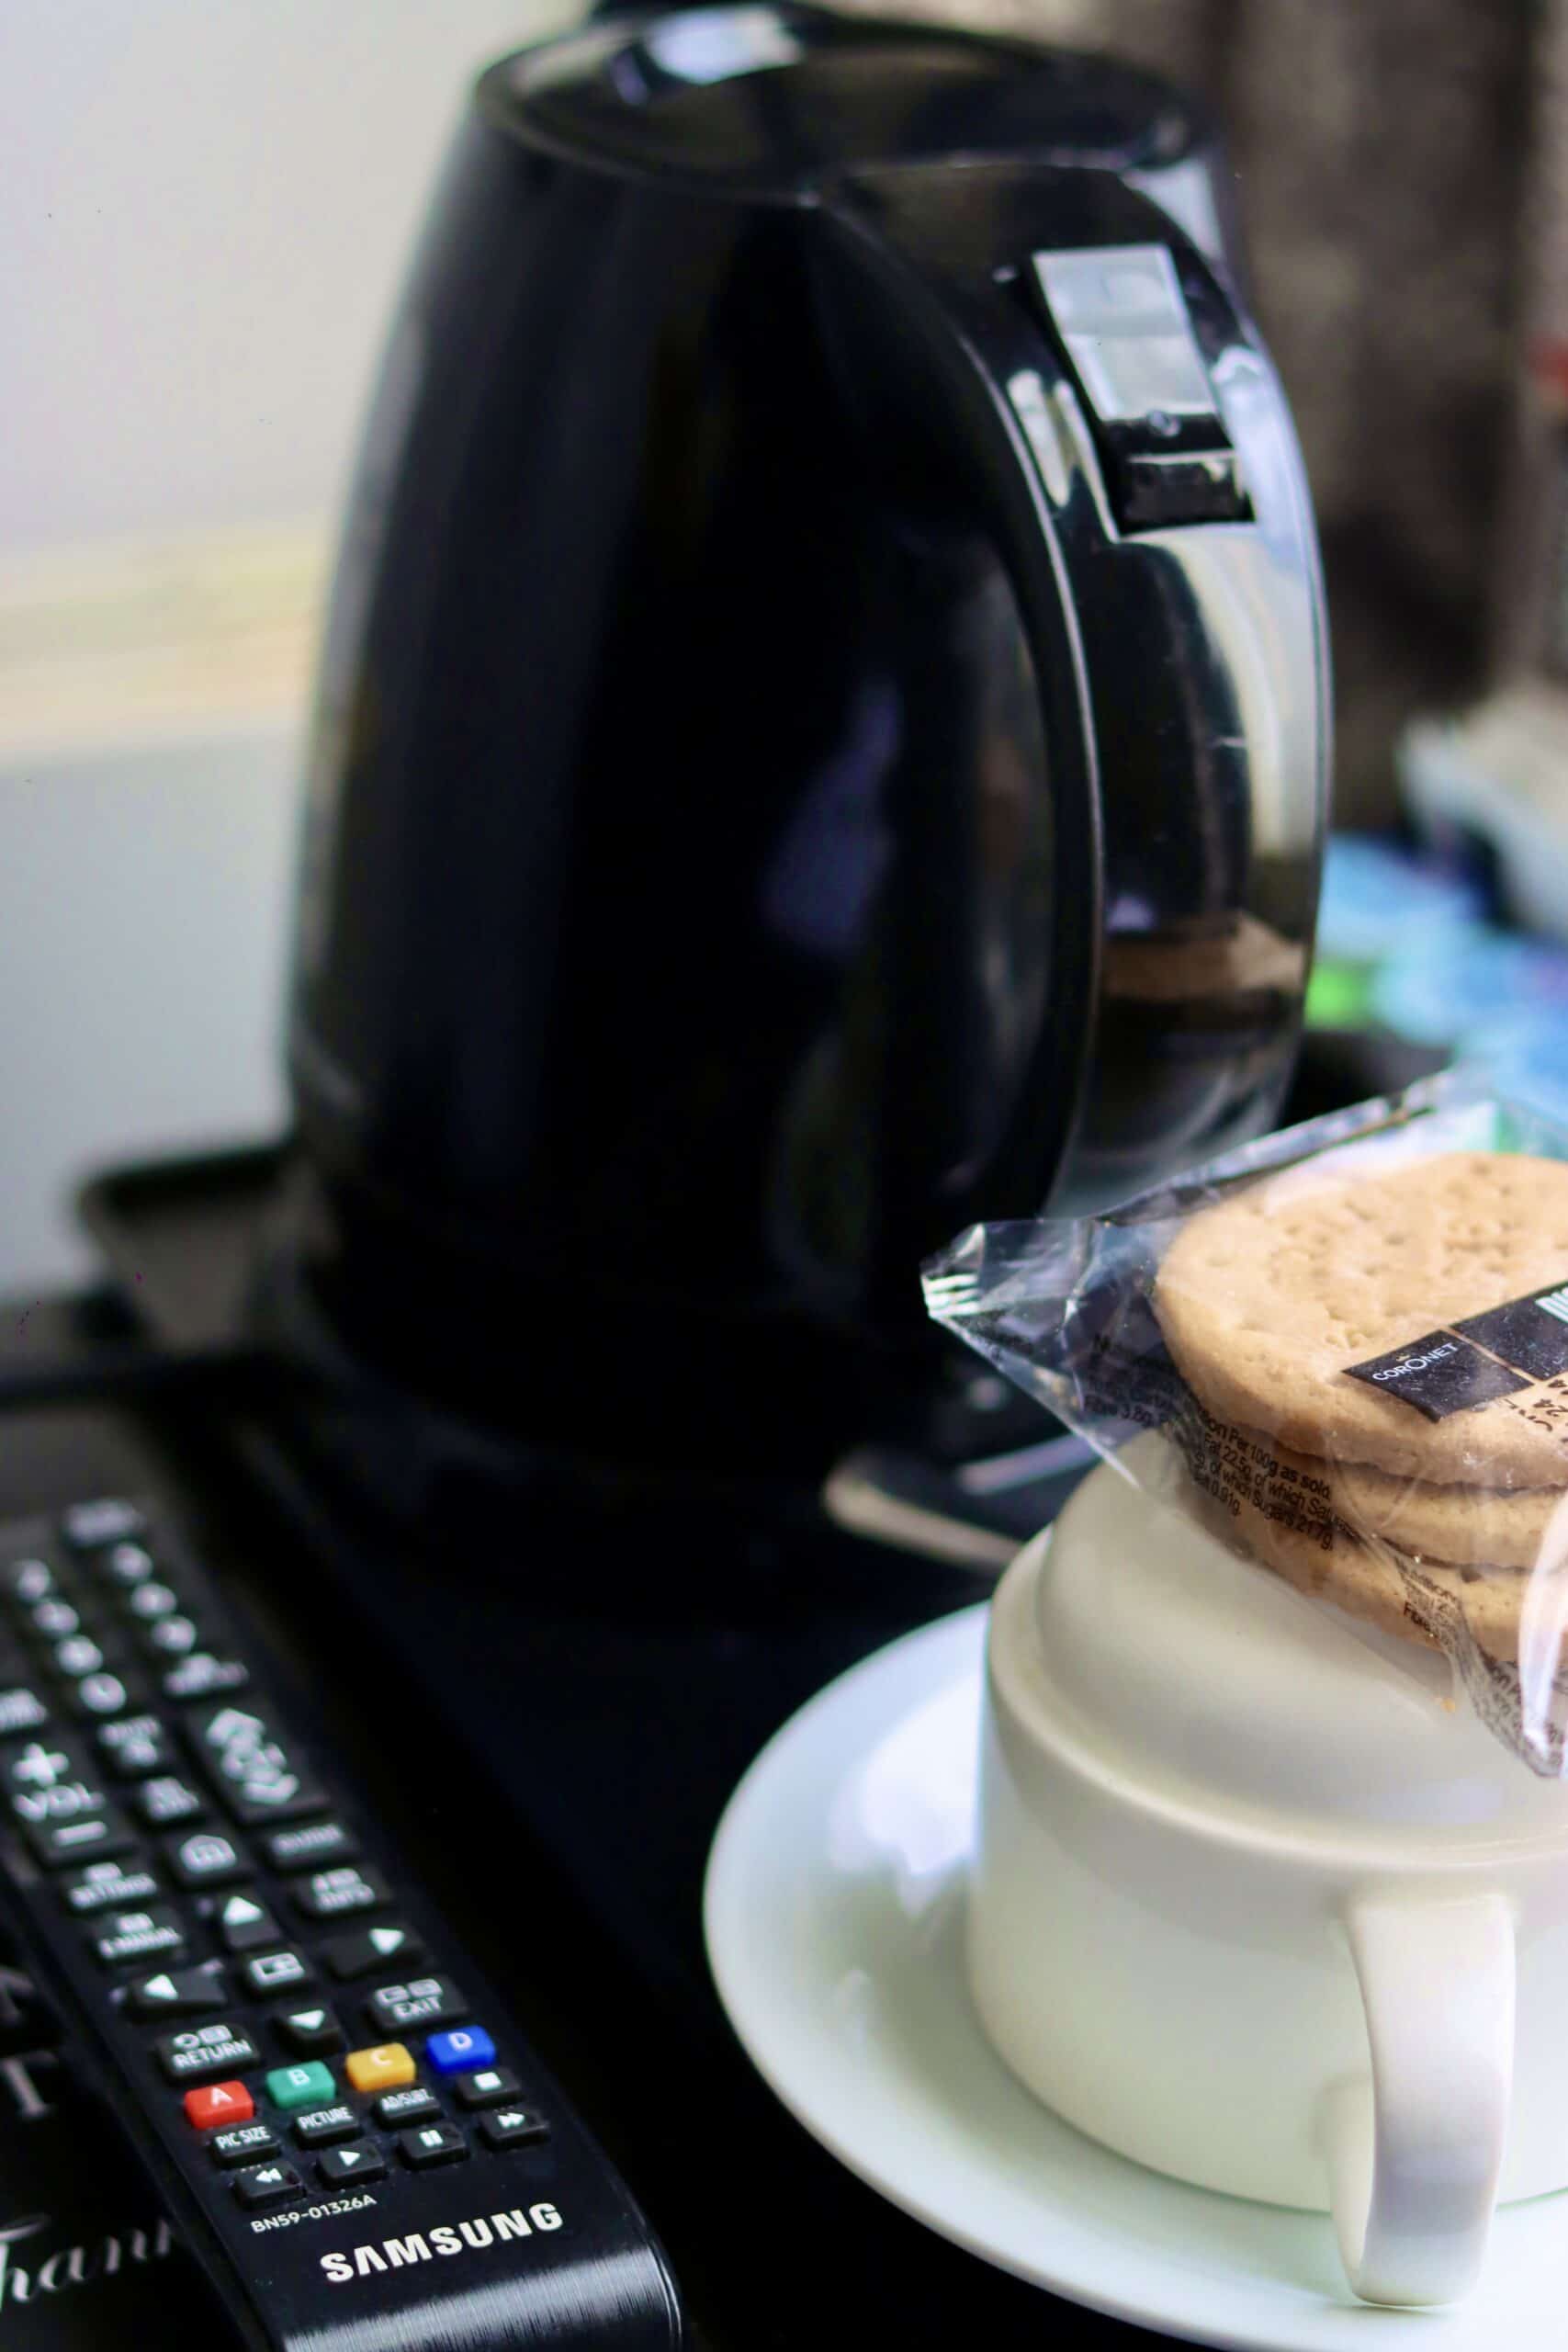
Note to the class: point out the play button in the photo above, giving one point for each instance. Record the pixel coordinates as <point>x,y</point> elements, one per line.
<point>358,2163</point>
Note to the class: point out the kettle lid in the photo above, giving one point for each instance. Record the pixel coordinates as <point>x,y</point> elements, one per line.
<point>768,100</point>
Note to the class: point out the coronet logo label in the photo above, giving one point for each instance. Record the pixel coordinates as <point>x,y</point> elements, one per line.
<point>445,2240</point>
<point>1416,1363</point>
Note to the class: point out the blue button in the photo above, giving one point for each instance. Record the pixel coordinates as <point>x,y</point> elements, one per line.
<point>465,2046</point>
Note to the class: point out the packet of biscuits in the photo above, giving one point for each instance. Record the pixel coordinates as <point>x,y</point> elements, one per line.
<point>1353,1337</point>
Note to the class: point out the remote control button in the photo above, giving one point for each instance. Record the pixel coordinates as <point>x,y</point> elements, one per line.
<point>166,1800</point>
<point>151,1598</point>
<point>325,2124</point>
<point>97,1695</point>
<point>270,1972</point>
<point>244,1924</point>
<point>227,2103</point>
<point>202,1676</point>
<point>304,2086</point>
<point>433,2143</point>
<point>465,2046</point>
<point>99,1833</point>
<point>87,1527</point>
<point>77,1656</point>
<point>327,1894</point>
<point>54,1619</point>
<point>251,1768</point>
<point>423,2000</point>
<point>157,1933</point>
<point>127,1564</point>
<point>204,1858</point>
<point>513,2127</point>
<point>170,1637</point>
<point>178,1993</point>
<point>47,1768</point>
<point>207,2051</point>
<point>416,2106</point>
<point>492,2086</point>
<point>136,1747</point>
<point>27,1582</point>
<point>312,1843</point>
<point>361,1955</point>
<point>384,2068</point>
<point>267,2183</point>
<point>71,1800</point>
<point>104,1884</point>
<point>245,2143</point>
<point>22,1710</point>
<point>309,2032</point>
<point>351,2164</point>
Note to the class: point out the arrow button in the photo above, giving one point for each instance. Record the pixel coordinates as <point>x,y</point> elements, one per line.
<point>306,2033</point>
<point>178,1993</point>
<point>244,1925</point>
<point>367,1952</point>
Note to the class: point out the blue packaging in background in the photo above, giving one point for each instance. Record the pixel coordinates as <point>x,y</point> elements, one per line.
<point>1408,945</point>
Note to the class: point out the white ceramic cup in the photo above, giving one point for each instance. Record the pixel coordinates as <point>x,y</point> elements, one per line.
<point>1256,1903</point>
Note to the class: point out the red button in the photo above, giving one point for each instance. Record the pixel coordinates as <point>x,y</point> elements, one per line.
<point>220,2103</point>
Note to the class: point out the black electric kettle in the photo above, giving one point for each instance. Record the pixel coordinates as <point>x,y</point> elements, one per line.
<point>822,729</point>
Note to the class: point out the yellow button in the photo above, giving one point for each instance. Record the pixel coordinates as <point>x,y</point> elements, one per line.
<point>382,2069</point>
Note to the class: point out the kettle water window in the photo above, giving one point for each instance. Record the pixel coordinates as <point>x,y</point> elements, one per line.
<point>1120,315</point>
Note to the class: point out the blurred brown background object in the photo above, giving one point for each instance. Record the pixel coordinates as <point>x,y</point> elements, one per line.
<point>1403,182</point>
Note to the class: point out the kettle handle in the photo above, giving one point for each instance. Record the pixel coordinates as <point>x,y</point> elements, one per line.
<point>1170,596</point>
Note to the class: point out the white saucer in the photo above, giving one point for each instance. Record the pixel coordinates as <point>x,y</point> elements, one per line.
<point>833,1901</point>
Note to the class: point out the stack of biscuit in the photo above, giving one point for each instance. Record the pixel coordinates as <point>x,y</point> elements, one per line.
<point>1346,1434</point>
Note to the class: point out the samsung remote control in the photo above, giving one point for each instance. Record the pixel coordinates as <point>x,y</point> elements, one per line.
<point>345,2127</point>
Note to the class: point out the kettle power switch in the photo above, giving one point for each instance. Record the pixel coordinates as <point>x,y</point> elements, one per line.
<point>1121,317</point>
<point>1119,313</point>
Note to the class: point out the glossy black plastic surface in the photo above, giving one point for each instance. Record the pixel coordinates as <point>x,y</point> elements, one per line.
<point>573,2264</point>
<point>764,812</point>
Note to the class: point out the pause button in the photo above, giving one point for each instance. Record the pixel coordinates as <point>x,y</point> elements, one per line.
<point>433,2143</point>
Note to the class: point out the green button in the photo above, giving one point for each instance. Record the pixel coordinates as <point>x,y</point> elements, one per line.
<point>300,2085</point>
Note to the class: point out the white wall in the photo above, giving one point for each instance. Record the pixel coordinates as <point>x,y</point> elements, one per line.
<point>141,930</point>
<point>206,209</point>
<point>207,204</point>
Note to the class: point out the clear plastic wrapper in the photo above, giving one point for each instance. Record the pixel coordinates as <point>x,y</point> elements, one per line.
<point>1352,1337</point>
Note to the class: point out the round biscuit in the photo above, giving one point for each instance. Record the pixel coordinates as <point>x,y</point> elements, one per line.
<point>1267,1300</point>
<point>1412,1599</point>
<point>1460,1526</point>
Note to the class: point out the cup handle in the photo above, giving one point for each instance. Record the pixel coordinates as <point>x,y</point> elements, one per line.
<point>1414,2157</point>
